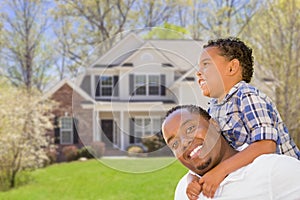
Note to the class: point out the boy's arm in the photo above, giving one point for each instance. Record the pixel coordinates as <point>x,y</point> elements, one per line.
<point>194,188</point>
<point>212,179</point>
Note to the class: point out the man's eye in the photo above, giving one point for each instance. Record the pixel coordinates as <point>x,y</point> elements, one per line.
<point>190,129</point>
<point>175,145</point>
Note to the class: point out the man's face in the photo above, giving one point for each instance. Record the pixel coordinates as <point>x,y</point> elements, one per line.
<point>193,140</point>
<point>211,72</point>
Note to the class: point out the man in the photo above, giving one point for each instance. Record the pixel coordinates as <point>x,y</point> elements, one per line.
<point>195,140</point>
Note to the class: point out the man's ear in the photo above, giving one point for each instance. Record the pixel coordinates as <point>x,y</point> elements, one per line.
<point>233,67</point>
<point>215,124</point>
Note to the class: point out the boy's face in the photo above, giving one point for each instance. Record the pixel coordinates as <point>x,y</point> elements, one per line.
<point>194,140</point>
<point>211,74</point>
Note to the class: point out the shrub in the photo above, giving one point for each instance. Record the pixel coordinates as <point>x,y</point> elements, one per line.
<point>135,150</point>
<point>153,143</point>
<point>52,155</point>
<point>86,152</point>
<point>70,152</point>
<point>98,148</point>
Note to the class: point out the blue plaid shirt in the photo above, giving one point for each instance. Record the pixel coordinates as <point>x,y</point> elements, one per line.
<point>247,115</point>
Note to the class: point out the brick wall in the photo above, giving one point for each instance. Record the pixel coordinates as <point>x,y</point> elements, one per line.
<point>69,104</point>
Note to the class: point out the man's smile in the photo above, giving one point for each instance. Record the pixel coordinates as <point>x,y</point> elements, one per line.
<point>195,152</point>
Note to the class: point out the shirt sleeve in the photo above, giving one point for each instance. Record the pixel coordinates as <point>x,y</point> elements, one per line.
<point>259,118</point>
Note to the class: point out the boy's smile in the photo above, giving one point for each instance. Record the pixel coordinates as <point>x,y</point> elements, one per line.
<point>211,72</point>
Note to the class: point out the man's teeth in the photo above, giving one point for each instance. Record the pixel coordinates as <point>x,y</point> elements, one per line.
<point>195,150</point>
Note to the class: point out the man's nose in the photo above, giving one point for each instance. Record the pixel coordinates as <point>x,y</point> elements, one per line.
<point>186,143</point>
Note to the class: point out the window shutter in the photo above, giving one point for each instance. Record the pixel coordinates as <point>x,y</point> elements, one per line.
<point>75,132</point>
<point>131,129</point>
<point>97,86</point>
<point>131,84</point>
<point>162,85</point>
<point>116,86</point>
<point>56,130</point>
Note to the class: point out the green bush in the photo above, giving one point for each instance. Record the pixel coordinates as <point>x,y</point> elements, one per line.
<point>153,143</point>
<point>86,152</point>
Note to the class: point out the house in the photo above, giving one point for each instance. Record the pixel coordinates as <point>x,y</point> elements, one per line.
<point>123,95</point>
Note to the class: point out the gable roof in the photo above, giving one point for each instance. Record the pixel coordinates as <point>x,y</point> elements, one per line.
<point>185,53</point>
<point>182,53</point>
<point>120,51</point>
<point>147,46</point>
<point>60,84</point>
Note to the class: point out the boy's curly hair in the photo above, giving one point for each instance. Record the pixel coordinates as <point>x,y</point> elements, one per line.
<point>233,48</point>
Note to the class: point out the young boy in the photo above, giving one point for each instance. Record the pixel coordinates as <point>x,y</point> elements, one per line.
<point>245,115</point>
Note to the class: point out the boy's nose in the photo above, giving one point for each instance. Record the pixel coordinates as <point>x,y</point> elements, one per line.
<point>198,73</point>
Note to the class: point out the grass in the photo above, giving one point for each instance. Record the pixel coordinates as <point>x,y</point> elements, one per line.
<point>93,180</point>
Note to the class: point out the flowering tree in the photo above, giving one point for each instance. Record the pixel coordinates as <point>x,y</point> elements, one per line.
<point>25,119</point>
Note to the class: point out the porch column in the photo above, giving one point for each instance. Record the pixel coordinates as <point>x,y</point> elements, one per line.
<point>93,86</point>
<point>122,128</point>
<point>96,131</point>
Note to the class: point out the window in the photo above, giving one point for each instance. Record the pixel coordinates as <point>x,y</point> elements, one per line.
<point>140,85</point>
<point>147,85</point>
<point>66,130</point>
<point>153,85</point>
<point>106,85</point>
<point>144,127</point>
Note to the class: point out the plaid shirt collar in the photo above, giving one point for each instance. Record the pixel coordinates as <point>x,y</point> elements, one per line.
<point>231,92</point>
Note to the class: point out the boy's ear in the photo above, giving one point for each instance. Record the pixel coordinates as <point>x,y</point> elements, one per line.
<point>233,67</point>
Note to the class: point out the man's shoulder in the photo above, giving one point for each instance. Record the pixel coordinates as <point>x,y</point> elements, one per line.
<point>180,192</point>
<point>276,162</point>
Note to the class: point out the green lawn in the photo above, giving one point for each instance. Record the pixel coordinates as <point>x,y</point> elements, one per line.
<point>96,181</point>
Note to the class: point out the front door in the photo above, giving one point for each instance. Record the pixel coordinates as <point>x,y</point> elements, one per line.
<point>107,130</point>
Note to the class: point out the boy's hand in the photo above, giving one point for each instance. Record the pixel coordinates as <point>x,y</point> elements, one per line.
<point>211,181</point>
<point>194,188</point>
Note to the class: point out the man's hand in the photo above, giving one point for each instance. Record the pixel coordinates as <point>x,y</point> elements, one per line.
<point>194,188</point>
<point>211,181</point>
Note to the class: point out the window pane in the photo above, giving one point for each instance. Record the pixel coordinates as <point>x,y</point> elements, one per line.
<point>106,91</point>
<point>140,79</point>
<point>139,122</point>
<point>106,80</point>
<point>147,126</point>
<point>147,122</point>
<point>156,125</point>
<point>154,80</point>
<point>66,137</point>
<point>66,123</point>
<point>153,90</point>
<point>141,90</point>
